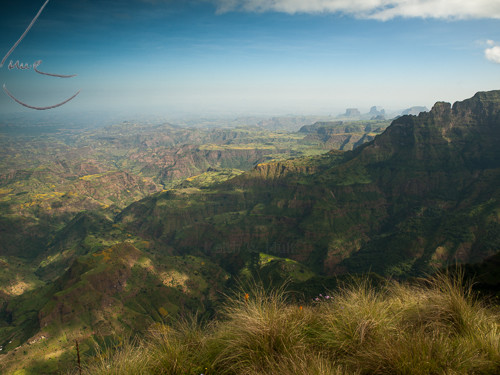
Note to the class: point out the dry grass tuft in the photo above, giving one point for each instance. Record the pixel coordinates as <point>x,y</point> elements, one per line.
<point>432,327</point>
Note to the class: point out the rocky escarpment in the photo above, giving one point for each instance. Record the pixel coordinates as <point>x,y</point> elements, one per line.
<point>462,137</point>
<point>191,160</point>
<point>275,170</point>
<point>341,136</point>
<point>422,194</point>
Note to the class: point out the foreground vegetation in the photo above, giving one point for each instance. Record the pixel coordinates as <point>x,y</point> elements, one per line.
<point>435,326</point>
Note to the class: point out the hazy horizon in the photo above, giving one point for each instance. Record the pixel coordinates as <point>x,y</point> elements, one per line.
<point>248,57</point>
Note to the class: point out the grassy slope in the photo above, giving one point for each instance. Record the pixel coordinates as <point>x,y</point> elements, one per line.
<point>108,295</point>
<point>432,327</point>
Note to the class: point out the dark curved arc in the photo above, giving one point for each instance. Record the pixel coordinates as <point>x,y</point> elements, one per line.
<point>38,108</point>
<point>55,75</point>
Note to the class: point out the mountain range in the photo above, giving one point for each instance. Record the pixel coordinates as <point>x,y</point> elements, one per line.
<point>421,196</point>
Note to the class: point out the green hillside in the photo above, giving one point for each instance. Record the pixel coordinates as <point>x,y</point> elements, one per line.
<point>419,197</point>
<point>422,195</point>
<point>50,175</point>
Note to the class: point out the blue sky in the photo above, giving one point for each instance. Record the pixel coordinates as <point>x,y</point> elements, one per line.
<point>250,56</point>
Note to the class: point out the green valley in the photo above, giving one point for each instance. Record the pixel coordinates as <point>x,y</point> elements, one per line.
<point>109,233</point>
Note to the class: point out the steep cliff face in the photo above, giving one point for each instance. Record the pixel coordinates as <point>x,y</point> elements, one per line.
<point>422,194</point>
<point>191,160</point>
<point>338,135</point>
<point>438,173</point>
<point>270,171</point>
<point>466,132</point>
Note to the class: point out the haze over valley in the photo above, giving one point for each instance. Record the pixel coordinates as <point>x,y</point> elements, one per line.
<point>250,187</point>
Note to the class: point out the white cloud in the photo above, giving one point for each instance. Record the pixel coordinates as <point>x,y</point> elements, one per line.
<point>375,9</point>
<point>492,53</point>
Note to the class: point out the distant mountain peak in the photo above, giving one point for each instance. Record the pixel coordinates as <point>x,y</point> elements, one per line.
<point>376,112</point>
<point>415,110</point>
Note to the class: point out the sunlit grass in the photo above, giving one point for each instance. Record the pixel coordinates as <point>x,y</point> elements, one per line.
<point>430,327</point>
